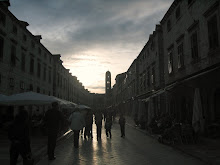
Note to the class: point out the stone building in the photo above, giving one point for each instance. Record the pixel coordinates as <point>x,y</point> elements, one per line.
<point>178,68</point>
<point>26,65</point>
<point>191,59</point>
<point>151,73</point>
<point>119,88</point>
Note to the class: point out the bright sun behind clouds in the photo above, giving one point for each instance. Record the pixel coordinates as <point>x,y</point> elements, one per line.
<point>90,70</point>
<point>90,66</point>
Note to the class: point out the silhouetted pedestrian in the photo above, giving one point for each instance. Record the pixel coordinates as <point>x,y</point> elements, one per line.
<point>98,122</point>
<point>108,125</point>
<point>77,123</point>
<point>53,119</point>
<point>19,136</point>
<point>89,121</point>
<point>122,125</point>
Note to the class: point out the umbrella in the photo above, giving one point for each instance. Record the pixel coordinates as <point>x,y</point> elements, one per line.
<point>27,98</point>
<point>64,103</point>
<point>83,109</point>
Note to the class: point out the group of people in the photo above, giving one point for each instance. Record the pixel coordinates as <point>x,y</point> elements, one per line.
<point>20,138</point>
<point>19,135</point>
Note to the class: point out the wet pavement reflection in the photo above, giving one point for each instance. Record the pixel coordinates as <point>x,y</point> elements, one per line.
<point>135,148</point>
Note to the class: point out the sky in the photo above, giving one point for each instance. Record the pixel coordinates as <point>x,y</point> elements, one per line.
<point>92,36</point>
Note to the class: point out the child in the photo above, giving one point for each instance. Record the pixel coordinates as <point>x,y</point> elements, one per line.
<point>122,125</point>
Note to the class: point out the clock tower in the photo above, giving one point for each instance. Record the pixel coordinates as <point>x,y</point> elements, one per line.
<point>107,83</point>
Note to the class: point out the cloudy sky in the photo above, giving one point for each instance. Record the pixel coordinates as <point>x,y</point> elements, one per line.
<point>92,36</point>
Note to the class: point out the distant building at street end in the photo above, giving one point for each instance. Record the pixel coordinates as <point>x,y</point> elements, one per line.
<point>107,83</point>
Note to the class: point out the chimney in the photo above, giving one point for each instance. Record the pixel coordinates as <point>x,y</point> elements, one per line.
<point>158,27</point>
<point>23,23</point>
<point>38,37</point>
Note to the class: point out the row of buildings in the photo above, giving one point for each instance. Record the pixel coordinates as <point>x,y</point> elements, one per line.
<point>27,65</point>
<point>177,71</point>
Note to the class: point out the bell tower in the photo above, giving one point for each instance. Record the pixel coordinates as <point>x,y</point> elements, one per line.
<point>107,83</point>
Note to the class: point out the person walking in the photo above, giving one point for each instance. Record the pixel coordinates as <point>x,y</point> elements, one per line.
<point>108,125</point>
<point>88,121</point>
<point>98,122</point>
<point>19,136</point>
<point>77,121</point>
<point>122,125</point>
<point>53,119</point>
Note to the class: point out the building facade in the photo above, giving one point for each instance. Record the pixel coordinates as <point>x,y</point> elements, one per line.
<point>26,65</point>
<point>191,59</point>
<point>178,68</point>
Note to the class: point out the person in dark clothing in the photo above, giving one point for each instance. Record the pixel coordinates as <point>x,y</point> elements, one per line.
<point>53,119</point>
<point>108,125</point>
<point>19,136</point>
<point>122,125</point>
<point>98,122</point>
<point>88,121</point>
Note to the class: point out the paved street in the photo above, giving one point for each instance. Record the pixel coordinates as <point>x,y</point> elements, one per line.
<point>136,148</point>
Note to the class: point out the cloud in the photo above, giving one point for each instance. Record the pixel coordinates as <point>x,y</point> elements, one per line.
<point>99,33</point>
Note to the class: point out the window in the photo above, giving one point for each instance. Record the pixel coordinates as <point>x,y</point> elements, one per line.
<point>148,77</point>
<point>22,86</point>
<point>38,69</point>
<point>32,66</point>
<point>39,51</point>
<point>178,12</point>
<point>45,70</point>
<point>170,61</point>
<point>153,76</point>
<point>213,32</point>
<point>180,56</point>
<point>23,62</point>
<point>144,80</point>
<point>31,87</point>
<point>49,76</point>
<point>61,81</point>
<point>1,47</point>
<point>168,25</point>
<point>194,46</point>
<point>152,45</point>
<point>13,55</point>
<point>38,90</point>
<point>14,29</point>
<point>11,82</point>
<point>58,79</point>
<point>32,44</point>
<point>2,18</point>
<point>24,38</point>
<point>141,82</point>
